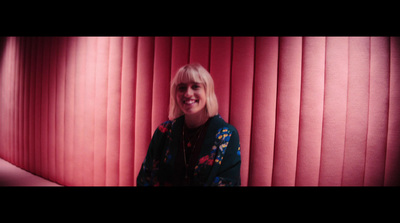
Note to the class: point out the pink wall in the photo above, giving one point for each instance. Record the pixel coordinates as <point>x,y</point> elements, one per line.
<point>309,110</point>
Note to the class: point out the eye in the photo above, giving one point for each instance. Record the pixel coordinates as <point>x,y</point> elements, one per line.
<point>181,88</point>
<point>195,86</point>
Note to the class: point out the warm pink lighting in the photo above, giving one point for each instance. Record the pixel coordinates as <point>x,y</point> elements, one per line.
<point>310,111</point>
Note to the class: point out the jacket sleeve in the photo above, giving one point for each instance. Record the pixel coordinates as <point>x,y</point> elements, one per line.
<point>229,172</point>
<point>148,174</point>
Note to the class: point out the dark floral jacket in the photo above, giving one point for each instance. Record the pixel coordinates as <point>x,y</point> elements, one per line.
<point>219,160</point>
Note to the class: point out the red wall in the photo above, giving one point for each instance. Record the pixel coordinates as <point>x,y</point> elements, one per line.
<point>309,110</point>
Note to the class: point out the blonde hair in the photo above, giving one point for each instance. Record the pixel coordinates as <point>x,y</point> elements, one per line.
<point>193,73</point>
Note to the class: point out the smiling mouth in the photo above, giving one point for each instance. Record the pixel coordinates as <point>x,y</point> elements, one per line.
<point>190,101</point>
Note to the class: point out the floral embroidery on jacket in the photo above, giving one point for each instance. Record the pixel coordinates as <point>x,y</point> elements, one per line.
<point>220,181</point>
<point>224,135</point>
<point>221,140</point>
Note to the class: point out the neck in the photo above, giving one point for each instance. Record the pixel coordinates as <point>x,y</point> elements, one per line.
<point>196,120</point>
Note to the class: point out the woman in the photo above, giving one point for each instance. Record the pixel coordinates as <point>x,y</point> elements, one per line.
<point>196,147</point>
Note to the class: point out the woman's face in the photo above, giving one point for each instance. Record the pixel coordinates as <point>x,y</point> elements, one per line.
<point>191,97</point>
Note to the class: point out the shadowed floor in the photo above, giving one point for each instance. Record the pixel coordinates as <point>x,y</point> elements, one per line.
<point>11,175</point>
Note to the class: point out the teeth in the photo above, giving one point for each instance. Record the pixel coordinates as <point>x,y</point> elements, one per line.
<point>189,102</point>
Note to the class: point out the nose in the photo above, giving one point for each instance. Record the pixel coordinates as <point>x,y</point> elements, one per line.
<point>188,92</point>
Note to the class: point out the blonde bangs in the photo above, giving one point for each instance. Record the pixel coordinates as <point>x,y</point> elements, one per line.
<point>188,75</point>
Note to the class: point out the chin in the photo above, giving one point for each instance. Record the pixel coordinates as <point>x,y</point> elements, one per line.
<point>186,112</point>
<point>193,112</point>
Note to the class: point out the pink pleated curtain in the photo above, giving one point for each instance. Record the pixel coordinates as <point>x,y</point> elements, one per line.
<point>310,111</point>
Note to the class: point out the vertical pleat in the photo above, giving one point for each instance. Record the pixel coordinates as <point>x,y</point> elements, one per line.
<point>242,97</point>
<point>14,98</point>
<point>3,61</point>
<point>220,70</point>
<point>31,112</point>
<point>378,111</point>
<point>288,108</point>
<point>143,99</point>
<point>89,111</point>
<point>11,99</point>
<point>19,62</point>
<point>128,95</point>
<point>161,81</point>
<point>52,107</point>
<point>180,53</point>
<point>100,116</point>
<point>264,108</point>
<point>392,165</point>
<point>44,145</point>
<point>79,132</point>
<point>4,100</point>
<point>357,112</point>
<point>18,98</point>
<point>60,109</point>
<point>16,101</point>
<point>37,81</point>
<point>200,51</point>
<point>18,92</point>
<point>311,111</point>
<point>25,103</point>
<point>334,114</point>
<point>70,71</point>
<point>11,94</point>
<point>113,112</point>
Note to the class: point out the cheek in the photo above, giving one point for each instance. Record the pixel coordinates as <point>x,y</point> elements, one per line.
<point>202,97</point>
<point>178,98</point>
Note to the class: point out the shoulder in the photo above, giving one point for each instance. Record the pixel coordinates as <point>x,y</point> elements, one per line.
<point>218,123</point>
<point>165,126</point>
<point>222,130</point>
<point>168,125</point>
